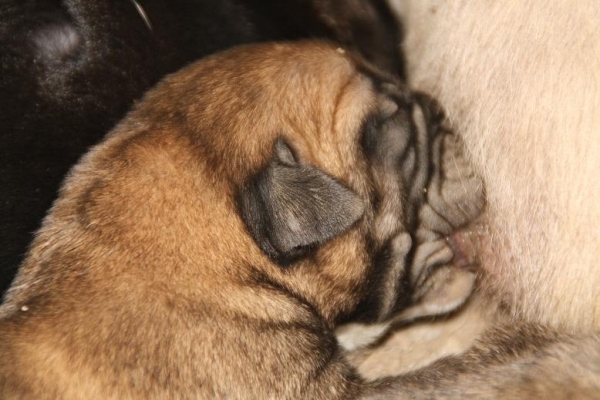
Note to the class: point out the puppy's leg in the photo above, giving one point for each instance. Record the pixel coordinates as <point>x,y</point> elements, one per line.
<point>522,361</point>
<point>419,343</point>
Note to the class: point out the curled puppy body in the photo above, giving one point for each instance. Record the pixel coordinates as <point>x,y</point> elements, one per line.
<point>210,245</point>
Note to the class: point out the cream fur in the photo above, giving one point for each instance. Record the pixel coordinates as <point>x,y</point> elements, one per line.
<point>520,81</point>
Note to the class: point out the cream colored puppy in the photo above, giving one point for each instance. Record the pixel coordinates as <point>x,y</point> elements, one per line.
<point>520,82</point>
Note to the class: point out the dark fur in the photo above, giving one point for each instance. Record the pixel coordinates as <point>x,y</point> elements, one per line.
<point>70,69</point>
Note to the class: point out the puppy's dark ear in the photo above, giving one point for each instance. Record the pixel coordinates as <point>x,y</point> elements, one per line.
<point>290,208</point>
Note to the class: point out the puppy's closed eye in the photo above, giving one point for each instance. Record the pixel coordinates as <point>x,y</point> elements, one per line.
<point>290,208</point>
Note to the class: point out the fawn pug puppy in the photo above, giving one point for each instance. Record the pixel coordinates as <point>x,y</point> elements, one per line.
<point>209,246</point>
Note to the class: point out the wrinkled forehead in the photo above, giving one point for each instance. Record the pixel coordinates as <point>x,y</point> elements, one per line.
<point>321,100</point>
<point>313,94</point>
<point>325,122</point>
<point>321,82</point>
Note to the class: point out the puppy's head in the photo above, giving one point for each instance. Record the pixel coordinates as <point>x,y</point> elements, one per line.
<point>327,161</point>
<point>287,166</point>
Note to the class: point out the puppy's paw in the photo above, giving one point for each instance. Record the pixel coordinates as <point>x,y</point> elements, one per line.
<point>428,255</point>
<point>442,291</point>
<point>437,285</point>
